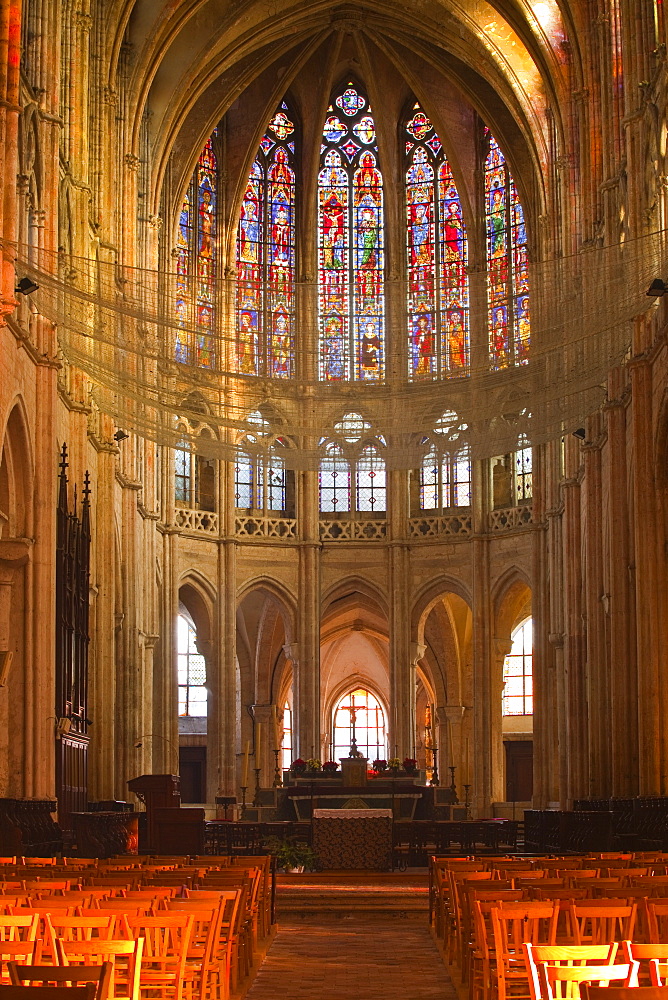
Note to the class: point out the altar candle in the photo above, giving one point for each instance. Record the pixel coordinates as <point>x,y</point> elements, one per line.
<point>451,745</point>
<point>466,764</point>
<point>258,745</point>
<point>244,774</point>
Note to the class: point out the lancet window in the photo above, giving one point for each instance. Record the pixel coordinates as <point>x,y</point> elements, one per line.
<point>445,473</point>
<point>352,469</point>
<point>196,265</point>
<point>523,463</point>
<point>437,254</point>
<point>518,672</point>
<point>265,306</point>
<point>286,743</point>
<point>360,713</point>
<point>507,265</point>
<point>351,296</point>
<point>194,480</point>
<point>261,480</point>
<point>191,667</point>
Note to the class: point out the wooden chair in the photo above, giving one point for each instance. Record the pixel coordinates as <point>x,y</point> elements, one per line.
<point>600,921</point>
<point>18,941</point>
<point>562,982</point>
<point>86,992</point>
<point>480,955</point>
<point>124,957</point>
<point>204,970</point>
<point>649,956</point>
<point>57,974</point>
<point>166,939</point>
<point>588,992</point>
<point>572,955</point>
<point>130,907</point>
<point>513,925</point>
<point>78,928</point>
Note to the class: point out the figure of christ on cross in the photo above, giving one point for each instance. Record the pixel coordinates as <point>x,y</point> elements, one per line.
<point>353,709</point>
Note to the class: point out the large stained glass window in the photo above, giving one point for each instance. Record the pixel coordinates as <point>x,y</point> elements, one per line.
<point>507,267</point>
<point>351,297</point>
<point>437,249</point>
<point>266,256</point>
<point>196,265</point>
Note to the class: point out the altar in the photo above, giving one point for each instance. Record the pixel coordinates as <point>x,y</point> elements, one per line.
<point>353,839</point>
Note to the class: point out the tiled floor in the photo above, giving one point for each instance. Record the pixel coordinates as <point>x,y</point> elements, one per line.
<point>325,960</point>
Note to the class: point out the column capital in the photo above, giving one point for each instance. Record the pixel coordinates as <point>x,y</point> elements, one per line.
<point>291,651</point>
<point>453,713</point>
<point>417,651</point>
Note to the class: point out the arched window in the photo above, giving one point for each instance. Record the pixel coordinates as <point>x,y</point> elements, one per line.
<point>351,297</point>
<point>369,725</point>
<point>260,477</point>
<point>334,481</point>
<point>518,672</point>
<point>437,248</point>
<point>194,480</point>
<point>523,470</point>
<point>445,473</point>
<point>507,267</point>
<point>191,668</point>
<point>197,263</point>
<point>352,469</point>
<point>266,256</point>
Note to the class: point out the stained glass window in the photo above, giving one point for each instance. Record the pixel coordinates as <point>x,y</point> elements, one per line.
<point>196,265</point>
<point>286,744</point>
<point>334,481</point>
<point>445,480</point>
<point>266,256</point>
<point>368,728</point>
<point>523,470</point>
<point>351,297</point>
<point>191,670</point>
<point>371,491</point>
<point>260,476</point>
<point>437,250</point>
<point>518,672</point>
<point>507,266</point>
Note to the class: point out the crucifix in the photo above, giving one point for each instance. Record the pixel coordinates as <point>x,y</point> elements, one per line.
<point>353,709</point>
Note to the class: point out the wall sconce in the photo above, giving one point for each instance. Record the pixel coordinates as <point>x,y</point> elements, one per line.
<point>26,286</point>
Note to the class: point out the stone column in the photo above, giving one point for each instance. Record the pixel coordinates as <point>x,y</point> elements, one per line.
<point>481,755</point>
<point>263,714</point>
<point>306,672</point>
<point>647,577</point>
<point>452,738</point>
<point>621,613</point>
<point>574,736</point>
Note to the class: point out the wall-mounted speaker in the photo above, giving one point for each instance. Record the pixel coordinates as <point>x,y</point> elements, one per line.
<point>63,727</point>
<point>6,657</point>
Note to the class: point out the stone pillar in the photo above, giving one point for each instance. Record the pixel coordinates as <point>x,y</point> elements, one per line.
<point>647,577</point>
<point>481,754</point>
<point>263,715</point>
<point>306,672</point>
<point>452,747</point>
<point>621,613</point>
<point>574,737</point>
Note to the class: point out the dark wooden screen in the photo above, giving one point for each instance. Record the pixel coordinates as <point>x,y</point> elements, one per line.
<point>72,638</point>
<point>519,770</point>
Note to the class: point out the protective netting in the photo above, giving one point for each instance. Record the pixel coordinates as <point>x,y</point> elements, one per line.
<point>117,325</point>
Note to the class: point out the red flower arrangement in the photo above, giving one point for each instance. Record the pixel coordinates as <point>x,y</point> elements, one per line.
<point>330,765</point>
<point>298,765</point>
<point>380,765</point>
<point>409,764</point>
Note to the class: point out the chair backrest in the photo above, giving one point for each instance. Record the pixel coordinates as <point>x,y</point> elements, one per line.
<point>600,921</point>
<point>99,975</point>
<point>589,992</point>
<point>124,956</point>
<point>87,992</point>
<point>562,954</point>
<point>562,981</point>
<point>515,923</point>
<point>19,928</point>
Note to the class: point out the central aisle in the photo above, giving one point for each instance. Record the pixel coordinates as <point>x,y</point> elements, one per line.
<point>352,959</point>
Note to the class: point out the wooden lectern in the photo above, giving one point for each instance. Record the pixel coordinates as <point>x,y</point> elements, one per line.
<point>156,791</point>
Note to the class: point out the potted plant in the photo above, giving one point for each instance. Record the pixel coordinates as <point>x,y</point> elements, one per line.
<point>380,765</point>
<point>394,764</point>
<point>410,765</point>
<point>313,765</point>
<point>330,766</point>
<point>298,766</point>
<point>291,855</point>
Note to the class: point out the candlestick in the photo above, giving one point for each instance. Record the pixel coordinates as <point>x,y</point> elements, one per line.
<point>451,747</point>
<point>244,789</point>
<point>277,771</point>
<point>258,744</point>
<point>467,770</point>
<point>454,798</point>
<point>256,797</point>
<point>434,770</point>
<point>244,772</point>
<point>467,789</point>
<point>278,728</point>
